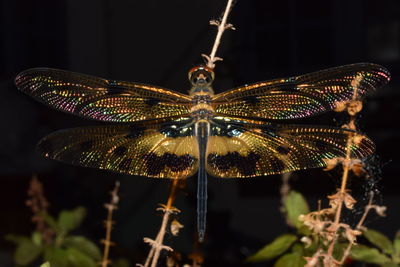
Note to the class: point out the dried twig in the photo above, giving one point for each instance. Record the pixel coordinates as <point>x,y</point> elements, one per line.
<point>222,26</point>
<point>380,210</point>
<point>157,245</point>
<point>353,107</point>
<point>113,205</point>
<point>39,205</point>
<point>321,222</point>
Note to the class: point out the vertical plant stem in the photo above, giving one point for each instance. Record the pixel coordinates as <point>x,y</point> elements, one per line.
<point>160,238</point>
<point>221,28</point>
<point>342,191</point>
<point>355,84</point>
<point>346,253</point>
<point>344,179</point>
<point>157,244</point>
<point>109,224</point>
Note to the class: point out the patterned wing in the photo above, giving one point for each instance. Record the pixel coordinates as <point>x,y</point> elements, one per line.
<point>303,96</point>
<point>237,150</point>
<point>168,150</point>
<point>100,99</point>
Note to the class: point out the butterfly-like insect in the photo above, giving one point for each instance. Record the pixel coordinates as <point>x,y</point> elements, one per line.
<point>234,134</point>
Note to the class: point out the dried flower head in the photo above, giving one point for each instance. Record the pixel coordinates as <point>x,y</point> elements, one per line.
<point>197,258</point>
<point>173,259</point>
<point>380,210</point>
<point>357,166</point>
<point>339,197</point>
<point>331,163</point>
<point>354,107</point>
<point>307,241</point>
<point>351,235</point>
<point>175,227</point>
<point>358,138</point>
<point>340,106</point>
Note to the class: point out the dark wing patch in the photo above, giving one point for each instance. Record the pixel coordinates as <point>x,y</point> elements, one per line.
<point>302,96</point>
<point>248,150</point>
<point>101,99</point>
<point>148,152</point>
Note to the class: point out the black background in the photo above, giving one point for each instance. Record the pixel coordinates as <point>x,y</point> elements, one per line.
<point>157,42</point>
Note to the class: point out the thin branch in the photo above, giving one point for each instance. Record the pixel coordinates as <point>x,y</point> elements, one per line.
<point>113,205</point>
<point>358,227</point>
<point>157,245</point>
<point>39,205</point>
<point>284,191</point>
<point>346,163</point>
<point>342,193</point>
<point>222,26</point>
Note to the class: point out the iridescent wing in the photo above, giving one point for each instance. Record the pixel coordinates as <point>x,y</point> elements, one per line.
<point>237,149</point>
<point>101,99</point>
<point>160,150</point>
<point>302,96</point>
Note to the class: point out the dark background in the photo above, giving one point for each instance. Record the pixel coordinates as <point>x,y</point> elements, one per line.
<point>157,42</point>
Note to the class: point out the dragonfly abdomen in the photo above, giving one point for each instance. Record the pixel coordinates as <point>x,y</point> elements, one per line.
<point>202,131</point>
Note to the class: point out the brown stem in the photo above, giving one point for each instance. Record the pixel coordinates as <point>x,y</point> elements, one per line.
<point>358,227</point>
<point>108,225</point>
<point>157,245</point>
<point>342,190</point>
<point>222,26</point>
<point>39,205</point>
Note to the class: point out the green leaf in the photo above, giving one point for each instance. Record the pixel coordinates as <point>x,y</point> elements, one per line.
<point>390,264</point>
<point>298,248</point>
<point>396,245</point>
<point>120,263</point>
<point>295,205</point>
<point>77,258</point>
<point>50,221</point>
<point>26,252</point>
<point>57,257</point>
<point>16,239</point>
<point>84,245</point>
<point>309,251</point>
<point>46,264</point>
<point>37,238</point>
<point>291,259</point>
<point>274,249</point>
<point>71,219</point>
<point>379,240</point>
<point>368,255</point>
<point>339,249</point>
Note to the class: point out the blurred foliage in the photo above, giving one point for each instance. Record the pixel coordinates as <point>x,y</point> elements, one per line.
<point>290,249</point>
<point>66,249</point>
<point>385,252</point>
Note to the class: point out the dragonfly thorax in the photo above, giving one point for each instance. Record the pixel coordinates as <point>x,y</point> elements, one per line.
<point>201,108</point>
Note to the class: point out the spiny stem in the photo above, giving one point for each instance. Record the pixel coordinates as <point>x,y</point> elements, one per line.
<point>109,223</point>
<point>355,84</point>
<point>358,227</point>
<point>342,190</point>
<point>157,245</point>
<point>222,26</point>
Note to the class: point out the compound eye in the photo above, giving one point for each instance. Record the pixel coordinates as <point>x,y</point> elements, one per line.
<point>201,73</point>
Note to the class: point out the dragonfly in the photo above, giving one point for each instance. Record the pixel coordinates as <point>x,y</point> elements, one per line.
<point>241,133</point>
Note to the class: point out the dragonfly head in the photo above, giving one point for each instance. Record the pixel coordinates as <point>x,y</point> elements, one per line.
<point>201,76</point>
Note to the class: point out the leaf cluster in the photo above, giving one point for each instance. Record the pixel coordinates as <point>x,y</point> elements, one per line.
<point>384,253</point>
<point>289,249</point>
<point>66,250</point>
